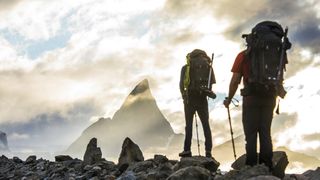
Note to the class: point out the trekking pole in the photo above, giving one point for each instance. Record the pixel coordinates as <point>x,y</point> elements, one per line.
<point>282,56</point>
<point>231,132</point>
<point>195,115</point>
<point>210,71</point>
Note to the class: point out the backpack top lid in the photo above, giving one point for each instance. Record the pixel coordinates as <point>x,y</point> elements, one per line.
<point>264,27</point>
<point>199,69</point>
<point>268,26</point>
<point>198,52</point>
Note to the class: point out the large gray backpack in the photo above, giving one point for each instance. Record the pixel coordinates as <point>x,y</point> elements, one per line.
<point>199,70</point>
<point>265,48</point>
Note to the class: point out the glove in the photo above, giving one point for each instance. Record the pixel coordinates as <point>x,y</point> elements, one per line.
<point>226,102</point>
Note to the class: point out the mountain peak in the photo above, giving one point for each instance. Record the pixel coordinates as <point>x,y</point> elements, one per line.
<point>140,88</point>
<point>139,118</point>
<point>141,92</point>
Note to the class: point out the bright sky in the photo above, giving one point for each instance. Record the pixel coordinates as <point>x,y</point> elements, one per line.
<point>65,63</point>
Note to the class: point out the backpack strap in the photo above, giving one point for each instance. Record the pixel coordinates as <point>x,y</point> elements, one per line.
<point>186,80</point>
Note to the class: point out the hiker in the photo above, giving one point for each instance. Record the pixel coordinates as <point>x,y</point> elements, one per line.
<point>194,88</point>
<point>261,67</point>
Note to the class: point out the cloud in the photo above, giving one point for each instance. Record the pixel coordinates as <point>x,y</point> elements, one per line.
<point>7,5</point>
<point>297,62</point>
<point>94,63</point>
<point>180,9</point>
<point>312,137</point>
<point>52,131</point>
<point>17,136</point>
<point>283,121</point>
<point>301,18</point>
<point>21,21</point>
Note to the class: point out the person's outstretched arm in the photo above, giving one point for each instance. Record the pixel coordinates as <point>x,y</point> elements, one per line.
<point>234,83</point>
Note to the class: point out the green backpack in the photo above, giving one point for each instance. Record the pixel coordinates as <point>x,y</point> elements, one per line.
<point>197,72</point>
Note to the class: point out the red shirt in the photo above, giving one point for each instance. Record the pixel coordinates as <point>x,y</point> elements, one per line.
<point>241,66</point>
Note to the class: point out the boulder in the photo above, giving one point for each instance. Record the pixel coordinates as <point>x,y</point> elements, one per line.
<point>130,153</point>
<point>128,175</point>
<point>61,158</point>
<point>17,159</point>
<point>163,171</point>
<point>142,166</point>
<point>208,163</point>
<point>313,174</point>
<point>93,153</point>
<point>264,177</point>
<point>247,172</point>
<point>160,159</point>
<point>295,177</point>
<point>280,162</point>
<point>5,166</point>
<point>31,159</point>
<point>191,173</point>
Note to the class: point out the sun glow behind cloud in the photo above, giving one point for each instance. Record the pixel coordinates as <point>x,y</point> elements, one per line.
<point>302,98</point>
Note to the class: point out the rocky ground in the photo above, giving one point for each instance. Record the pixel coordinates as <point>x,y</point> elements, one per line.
<point>132,165</point>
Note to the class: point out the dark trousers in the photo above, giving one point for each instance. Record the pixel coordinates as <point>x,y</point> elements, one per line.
<point>256,118</point>
<point>199,104</point>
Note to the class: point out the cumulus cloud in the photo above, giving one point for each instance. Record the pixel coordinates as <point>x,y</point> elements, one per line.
<point>17,136</point>
<point>301,18</point>
<point>21,19</point>
<point>7,5</point>
<point>95,61</point>
<point>284,121</point>
<point>312,137</point>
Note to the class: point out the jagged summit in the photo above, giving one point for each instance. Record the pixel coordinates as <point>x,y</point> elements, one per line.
<point>141,87</point>
<point>140,93</point>
<point>139,118</point>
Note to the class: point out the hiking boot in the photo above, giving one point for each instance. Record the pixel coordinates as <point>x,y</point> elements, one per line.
<point>185,154</point>
<point>208,154</point>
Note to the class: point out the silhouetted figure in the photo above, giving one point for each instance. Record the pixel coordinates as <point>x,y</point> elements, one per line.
<point>194,90</point>
<point>260,66</point>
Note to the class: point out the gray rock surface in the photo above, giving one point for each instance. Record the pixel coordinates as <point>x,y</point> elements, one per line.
<point>130,153</point>
<point>264,177</point>
<point>93,152</point>
<point>313,174</point>
<point>132,166</point>
<point>280,162</point>
<point>191,173</point>
<point>157,168</point>
<point>61,158</point>
<point>208,163</point>
<point>246,172</point>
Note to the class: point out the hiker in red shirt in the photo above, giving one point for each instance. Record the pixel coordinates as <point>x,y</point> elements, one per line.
<point>256,116</point>
<point>259,66</point>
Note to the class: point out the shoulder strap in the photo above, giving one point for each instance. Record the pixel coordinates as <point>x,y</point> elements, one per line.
<point>186,80</point>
